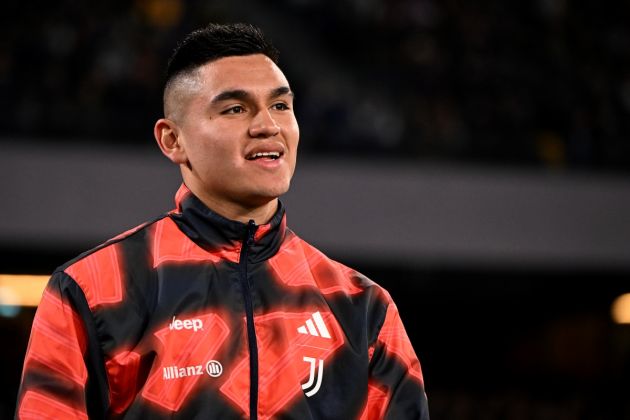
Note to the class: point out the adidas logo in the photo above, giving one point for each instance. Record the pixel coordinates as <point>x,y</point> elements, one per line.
<point>315,326</point>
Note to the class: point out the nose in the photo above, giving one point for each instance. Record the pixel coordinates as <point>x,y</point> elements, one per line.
<point>263,125</point>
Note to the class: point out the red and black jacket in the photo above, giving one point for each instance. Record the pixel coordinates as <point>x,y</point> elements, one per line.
<point>196,316</point>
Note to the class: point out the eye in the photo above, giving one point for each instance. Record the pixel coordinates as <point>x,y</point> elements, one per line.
<point>280,106</point>
<point>236,109</point>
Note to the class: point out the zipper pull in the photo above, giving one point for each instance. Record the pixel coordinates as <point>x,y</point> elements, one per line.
<point>251,230</point>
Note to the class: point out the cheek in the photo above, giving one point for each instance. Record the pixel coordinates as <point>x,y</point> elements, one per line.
<point>296,142</point>
<point>211,149</point>
<point>292,133</point>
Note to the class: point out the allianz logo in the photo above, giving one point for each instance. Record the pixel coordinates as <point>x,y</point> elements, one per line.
<point>213,368</point>
<point>194,324</point>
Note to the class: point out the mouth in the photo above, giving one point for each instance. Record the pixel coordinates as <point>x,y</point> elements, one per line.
<point>264,155</point>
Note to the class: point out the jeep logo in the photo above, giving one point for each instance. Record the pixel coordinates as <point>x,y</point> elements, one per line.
<point>194,324</point>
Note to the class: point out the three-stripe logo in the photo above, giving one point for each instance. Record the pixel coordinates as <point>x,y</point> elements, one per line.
<point>315,326</point>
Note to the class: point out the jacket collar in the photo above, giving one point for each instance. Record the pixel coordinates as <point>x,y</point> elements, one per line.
<point>214,232</point>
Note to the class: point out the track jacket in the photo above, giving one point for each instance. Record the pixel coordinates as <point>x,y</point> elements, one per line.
<point>195,316</point>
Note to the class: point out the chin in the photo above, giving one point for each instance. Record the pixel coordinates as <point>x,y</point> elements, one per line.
<point>275,189</point>
<point>281,191</point>
<point>260,198</point>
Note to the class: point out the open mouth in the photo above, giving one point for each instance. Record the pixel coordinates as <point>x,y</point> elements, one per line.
<point>264,155</point>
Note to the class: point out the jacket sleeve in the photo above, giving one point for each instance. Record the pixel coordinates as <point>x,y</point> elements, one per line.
<point>59,360</point>
<point>396,384</point>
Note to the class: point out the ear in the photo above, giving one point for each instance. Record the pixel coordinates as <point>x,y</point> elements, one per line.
<point>166,134</point>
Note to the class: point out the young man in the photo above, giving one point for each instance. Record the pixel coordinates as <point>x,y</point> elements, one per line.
<point>216,309</point>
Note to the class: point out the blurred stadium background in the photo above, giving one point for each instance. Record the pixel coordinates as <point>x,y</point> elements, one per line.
<point>472,157</point>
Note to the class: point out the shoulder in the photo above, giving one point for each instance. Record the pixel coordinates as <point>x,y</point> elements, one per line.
<point>300,263</point>
<point>99,272</point>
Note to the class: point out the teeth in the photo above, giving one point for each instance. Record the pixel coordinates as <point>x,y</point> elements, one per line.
<point>274,155</point>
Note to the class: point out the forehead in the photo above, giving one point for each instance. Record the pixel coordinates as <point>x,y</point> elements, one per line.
<point>250,73</point>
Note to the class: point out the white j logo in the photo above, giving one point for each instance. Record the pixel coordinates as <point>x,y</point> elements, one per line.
<point>311,378</point>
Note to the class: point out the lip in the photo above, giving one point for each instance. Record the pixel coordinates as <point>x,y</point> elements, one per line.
<point>265,148</point>
<point>267,163</point>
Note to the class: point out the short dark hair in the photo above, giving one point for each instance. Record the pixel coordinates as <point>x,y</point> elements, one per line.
<point>217,41</point>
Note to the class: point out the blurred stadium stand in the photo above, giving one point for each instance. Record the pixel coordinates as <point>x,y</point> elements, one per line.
<point>542,83</point>
<point>472,157</point>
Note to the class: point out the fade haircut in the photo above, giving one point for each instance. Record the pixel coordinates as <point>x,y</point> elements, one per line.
<point>205,45</point>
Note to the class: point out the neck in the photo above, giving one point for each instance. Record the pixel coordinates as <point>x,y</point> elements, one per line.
<point>260,214</point>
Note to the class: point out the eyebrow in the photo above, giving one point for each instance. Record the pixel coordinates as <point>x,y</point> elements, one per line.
<point>283,90</point>
<point>244,95</point>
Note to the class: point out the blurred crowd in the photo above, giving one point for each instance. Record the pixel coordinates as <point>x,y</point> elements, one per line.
<point>544,83</point>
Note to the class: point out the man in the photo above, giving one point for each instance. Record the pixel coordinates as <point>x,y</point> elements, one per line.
<point>216,309</point>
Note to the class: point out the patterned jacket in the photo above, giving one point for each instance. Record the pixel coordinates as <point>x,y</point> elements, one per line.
<point>196,316</point>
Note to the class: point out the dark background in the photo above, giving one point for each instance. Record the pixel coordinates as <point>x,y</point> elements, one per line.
<point>538,86</point>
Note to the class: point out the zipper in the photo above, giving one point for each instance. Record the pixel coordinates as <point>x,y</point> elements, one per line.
<point>249,313</point>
